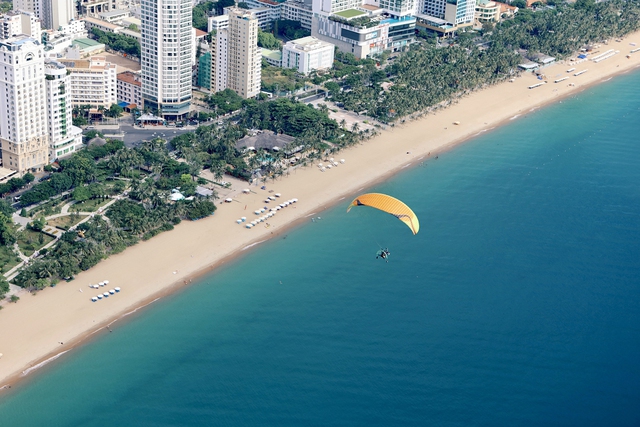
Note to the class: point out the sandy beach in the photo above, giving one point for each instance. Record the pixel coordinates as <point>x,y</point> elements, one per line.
<point>40,327</point>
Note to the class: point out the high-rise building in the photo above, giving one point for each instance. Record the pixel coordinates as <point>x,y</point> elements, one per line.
<point>167,46</point>
<point>23,125</point>
<point>64,138</point>
<point>57,13</point>
<point>52,13</point>
<point>236,57</point>
<point>34,6</point>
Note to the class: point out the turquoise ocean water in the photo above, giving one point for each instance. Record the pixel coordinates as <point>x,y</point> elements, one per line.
<point>517,304</point>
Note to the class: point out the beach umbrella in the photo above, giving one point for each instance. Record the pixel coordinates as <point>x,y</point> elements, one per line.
<point>106,294</point>
<point>94,299</point>
<point>111,291</point>
<point>277,194</point>
<point>106,282</point>
<point>248,226</point>
<point>100,296</point>
<point>342,160</point>
<point>246,191</point>
<point>239,221</point>
<point>117,289</point>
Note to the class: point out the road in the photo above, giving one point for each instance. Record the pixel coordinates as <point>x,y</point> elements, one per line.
<point>134,135</point>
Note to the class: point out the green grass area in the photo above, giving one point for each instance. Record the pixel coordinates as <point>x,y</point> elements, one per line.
<point>91,205</point>
<point>349,13</point>
<point>8,259</point>
<point>30,241</point>
<point>66,221</point>
<point>280,79</point>
<point>51,207</point>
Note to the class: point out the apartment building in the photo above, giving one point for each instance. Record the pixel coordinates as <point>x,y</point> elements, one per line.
<point>64,138</point>
<point>236,58</point>
<point>129,88</point>
<point>15,23</point>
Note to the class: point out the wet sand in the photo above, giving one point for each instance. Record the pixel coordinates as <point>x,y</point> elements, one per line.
<point>54,320</point>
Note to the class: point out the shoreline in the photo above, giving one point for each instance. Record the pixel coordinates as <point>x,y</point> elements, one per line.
<point>31,331</point>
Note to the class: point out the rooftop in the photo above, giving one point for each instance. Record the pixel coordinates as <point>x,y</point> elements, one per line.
<point>100,22</point>
<point>84,43</point>
<point>350,13</point>
<point>112,13</point>
<point>276,55</point>
<point>309,43</point>
<point>129,77</point>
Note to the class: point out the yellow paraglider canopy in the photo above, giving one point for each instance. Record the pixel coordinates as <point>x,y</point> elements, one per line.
<point>390,205</point>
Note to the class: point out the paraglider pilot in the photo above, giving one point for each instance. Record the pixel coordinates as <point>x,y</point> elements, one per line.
<point>384,254</point>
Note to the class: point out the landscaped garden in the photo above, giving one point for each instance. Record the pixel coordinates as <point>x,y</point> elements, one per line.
<point>65,222</point>
<point>30,241</point>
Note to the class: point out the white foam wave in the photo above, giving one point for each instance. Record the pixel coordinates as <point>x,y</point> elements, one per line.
<point>253,244</point>
<point>41,364</point>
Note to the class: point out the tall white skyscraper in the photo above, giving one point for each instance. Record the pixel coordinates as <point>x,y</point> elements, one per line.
<point>23,124</point>
<point>236,58</point>
<point>166,56</point>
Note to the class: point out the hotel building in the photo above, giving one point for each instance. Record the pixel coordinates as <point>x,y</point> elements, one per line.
<point>23,128</point>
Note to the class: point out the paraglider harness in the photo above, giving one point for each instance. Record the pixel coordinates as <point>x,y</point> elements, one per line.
<point>384,254</point>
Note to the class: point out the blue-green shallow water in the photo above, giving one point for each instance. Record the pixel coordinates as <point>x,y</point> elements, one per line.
<point>516,304</point>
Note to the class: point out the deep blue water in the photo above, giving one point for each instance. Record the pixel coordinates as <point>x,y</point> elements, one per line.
<point>515,305</point>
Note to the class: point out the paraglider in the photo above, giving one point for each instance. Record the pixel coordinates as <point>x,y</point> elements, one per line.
<point>392,206</point>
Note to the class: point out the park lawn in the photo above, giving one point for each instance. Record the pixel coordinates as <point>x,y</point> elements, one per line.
<point>90,205</point>
<point>66,221</point>
<point>28,241</point>
<point>8,259</point>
